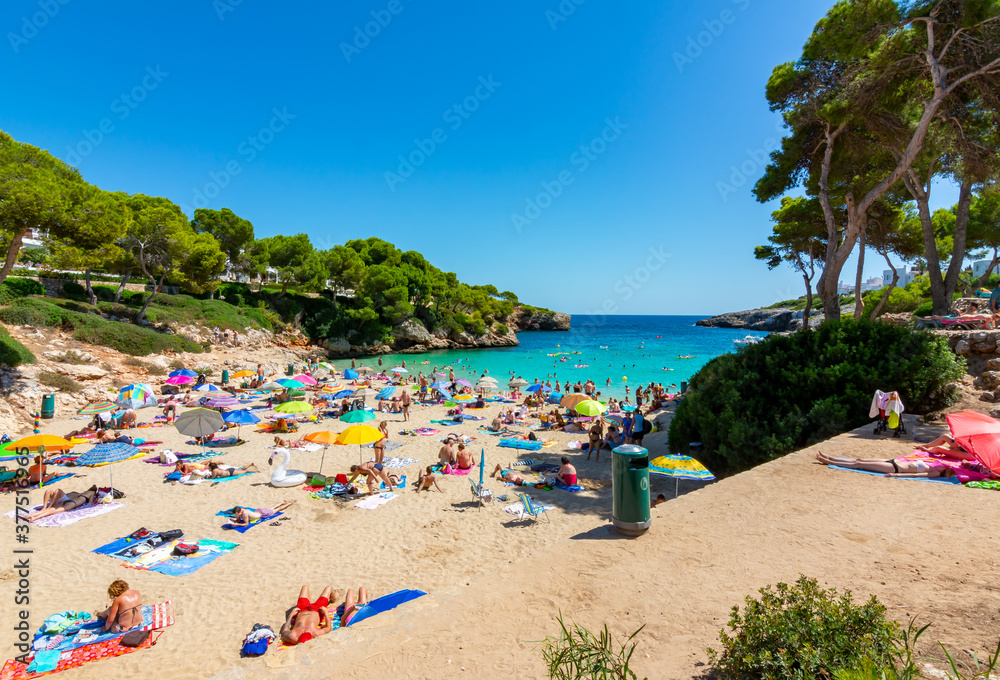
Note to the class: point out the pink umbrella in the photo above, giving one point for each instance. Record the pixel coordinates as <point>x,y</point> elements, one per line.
<point>306,379</point>
<point>179,380</point>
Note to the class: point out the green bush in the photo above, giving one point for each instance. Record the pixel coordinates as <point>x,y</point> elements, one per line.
<point>803,631</point>
<point>74,291</point>
<point>12,352</point>
<point>790,391</point>
<point>502,330</point>
<point>59,382</point>
<point>900,300</point>
<point>13,288</point>
<point>924,309</point>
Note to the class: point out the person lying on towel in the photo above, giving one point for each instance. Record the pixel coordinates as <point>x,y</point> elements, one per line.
<point>56,501</point>
<point>308,619</point>
<point>891,467</point>
<point>218,470</point>
<point>509,475</point>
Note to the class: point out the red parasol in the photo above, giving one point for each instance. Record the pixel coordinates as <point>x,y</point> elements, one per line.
<point>978,434</point>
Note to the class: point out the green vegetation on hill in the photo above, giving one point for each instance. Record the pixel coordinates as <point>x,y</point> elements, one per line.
<point>12,352</point>
<point>790,391</point>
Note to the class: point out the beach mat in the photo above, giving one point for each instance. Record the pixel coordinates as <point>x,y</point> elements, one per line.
<point>15,670</point>
<point>228,479</point>
<point>526,444</point>
<point>389,446</point>
<point>186,458</point>
<point>163,560</point>
<point>243,530</point>
<point>373,502</point>
<point>936,480</point>
<point>63,519</point>
<point>384,604</point>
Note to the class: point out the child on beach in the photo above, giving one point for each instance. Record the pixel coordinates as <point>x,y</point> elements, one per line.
<point>426,479</point>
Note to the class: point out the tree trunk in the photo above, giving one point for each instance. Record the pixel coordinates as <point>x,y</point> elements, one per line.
<point>859,302</point>
<point>157,287</point>
<point>885,295</point>
<point>91,296</point>
<point>12,253</point>
<point>121,286</point>
<point>809,302</point>
<point>961,236</point>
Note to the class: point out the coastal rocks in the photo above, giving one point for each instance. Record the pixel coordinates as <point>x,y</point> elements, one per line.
<point>57,355</point>
<point>524,320</point>
<point>754,320</point>
<point>412,331</point>
<point>80,371</point>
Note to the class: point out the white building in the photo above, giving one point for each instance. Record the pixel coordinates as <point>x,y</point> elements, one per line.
<point>979,268</point>
<point>906,275</point>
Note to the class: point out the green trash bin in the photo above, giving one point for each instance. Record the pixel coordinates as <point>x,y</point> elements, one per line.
<point>48,405</point>
<point>630,490</point>
<point>225,376</point>
<point>290,370</point>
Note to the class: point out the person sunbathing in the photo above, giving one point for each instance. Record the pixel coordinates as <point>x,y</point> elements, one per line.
<point>509,475</point>
<point>289,443</point>
<point>497,424</point>
<point>567,473</point>
<point>125,609</point>
<point>613,438</point>
<point>426,479</point>
<point>946,446</point>
<point>308,619</point>
<point>82,432</point>
<point>464,458</point>
<point>119,438</point>
<point>243,517</point>
<point>890,468</point>
<point>217,470</point>
<point>56,500</point>
<point>104,437</point>
<point>352,606</point>
<point>37,473</point>
<point>190,468</point>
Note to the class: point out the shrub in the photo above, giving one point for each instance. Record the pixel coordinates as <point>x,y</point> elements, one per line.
<point>176,364</point>
<point>924,309</point>
<point>59,382</point>
<point>789,391</point>
<point>70,357</point>
<point>578,653</point>
<point>13,288</point>
<point>803,631</point>
<point>12,352</point>
<point>502,330</point>
<point>74,291</point>
<point>150,368</point>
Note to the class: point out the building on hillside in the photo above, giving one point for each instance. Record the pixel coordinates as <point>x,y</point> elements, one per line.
<point>34,238</point>
<point>906,275</point>
<point>979,268</point>
<point>873,283</point>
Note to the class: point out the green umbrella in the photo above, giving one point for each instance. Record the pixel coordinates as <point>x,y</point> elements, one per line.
<point>357,416</point>
<point>589,408</point>
<point>293,407</point>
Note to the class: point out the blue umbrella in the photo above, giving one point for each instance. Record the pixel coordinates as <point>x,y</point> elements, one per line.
<point>443,391</point>
<point>241,418</point>
<point>350,374</point>
<point>387,392</point>
<point>439,384</point>
<point>534,388</point>
<point>105,454</point>
<point>207,387</point>
<point>547,388</point>
<point>343,393</point>
<point>555,398</point>
<point>186,372</point>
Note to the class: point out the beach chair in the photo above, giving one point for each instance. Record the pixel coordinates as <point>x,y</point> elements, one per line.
<point>530,510</point>
<point>481,493</point>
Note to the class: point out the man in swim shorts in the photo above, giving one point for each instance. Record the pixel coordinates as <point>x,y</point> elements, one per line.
<point>405,401</point>
<point>308,619</point>
<point>508,475</point>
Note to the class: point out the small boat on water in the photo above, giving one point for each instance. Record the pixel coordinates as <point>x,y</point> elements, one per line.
<point>748,340</point>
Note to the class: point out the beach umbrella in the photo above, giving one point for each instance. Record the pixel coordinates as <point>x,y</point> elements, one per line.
<point>240,418</point>
<point>482,467</point>
<point>137,395</point>
<point>517,382</point>
<point>324,437</point>
<point>357,416</point>
<point>534,388</point>
<point>590,408</point>
<point>105,454</point>
<point>571,400</point>
<point>487,378</point>
<point>296,393</point>
<point>445,393</point>
<point>293,407</point>
<point>100,407</point>
<point>243,374</point>
<point>271,387</point>
<point>398,369</point>
<point>463,397</point>
<point>463,382</point>
<point>365,392</point>
<point>183,373</point>
<point>679,467</point>
<point>330,388</point>
<point>306,379</point>
<point>180,380</point>
<point>199,422</point>
<point>387,392</point>
<point>978,434</point>
<point>547,388</point>
<point>222,402</point>
<point>554,398</point>
<point>207,387</point>
<point>360,435</point>
<point>350,374</point>
<point>36,441</point>
<point>326,365</point>
<point>343,393</point>
<point>364,369</point>
<point>288,382</point>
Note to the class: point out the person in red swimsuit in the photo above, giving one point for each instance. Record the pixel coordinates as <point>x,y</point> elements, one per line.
<point>308,619</point>
<point>567,473</point>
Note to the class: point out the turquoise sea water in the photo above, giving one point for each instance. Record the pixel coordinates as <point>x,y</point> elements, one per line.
<point>638,349</point>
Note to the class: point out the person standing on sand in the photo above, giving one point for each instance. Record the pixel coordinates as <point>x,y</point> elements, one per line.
<point>405,401</point>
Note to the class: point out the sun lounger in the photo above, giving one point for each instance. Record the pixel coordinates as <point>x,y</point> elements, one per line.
<point>481,493</point>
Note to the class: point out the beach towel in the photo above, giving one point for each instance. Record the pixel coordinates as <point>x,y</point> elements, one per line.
<point>15,670</point>
<point>455,470</point>
<point>57,478</point>
<point>243,530</point>
<point>218,443</point>
<point>400,485</point>
<point>185,458</point>
<point>525,444</point>
<point>992,485</point>
<point>163,560</point>
<point>395,463</point>
<point>937,480</point>
<point>389,446</point>
<point>228,479</point>
<point>372,502</point>
<point>89,633</point>
<point>63,519</point>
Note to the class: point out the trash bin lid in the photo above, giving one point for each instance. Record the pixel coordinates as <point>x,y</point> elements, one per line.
<point>630,450</point>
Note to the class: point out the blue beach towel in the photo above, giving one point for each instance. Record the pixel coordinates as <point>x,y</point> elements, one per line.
<point>936,480</point>
<point>243,530</point>
<point>229,479</point>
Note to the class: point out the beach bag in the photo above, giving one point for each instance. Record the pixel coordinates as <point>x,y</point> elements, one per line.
<point>134,638</point>
<point>185,549</point>
<point>168,456</point>
<point>141,534</point>
<point>171,535</point>
<point>341,478</point>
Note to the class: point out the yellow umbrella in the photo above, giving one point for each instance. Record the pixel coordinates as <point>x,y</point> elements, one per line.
<point>244,374</point>
<point>358,434</point>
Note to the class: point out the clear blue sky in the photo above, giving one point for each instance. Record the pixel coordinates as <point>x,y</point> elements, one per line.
<point>639,225</point>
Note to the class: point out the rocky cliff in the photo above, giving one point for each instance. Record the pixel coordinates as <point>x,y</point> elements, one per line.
<point>755,320</point>
<point>410,337</point>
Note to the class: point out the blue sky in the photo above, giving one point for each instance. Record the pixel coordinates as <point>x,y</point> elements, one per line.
<point>586,155</point>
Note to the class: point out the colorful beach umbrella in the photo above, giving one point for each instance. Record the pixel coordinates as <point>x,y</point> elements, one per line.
<point>100,407</point>
<point>184,373</point>
<point>243,374</point>
<point>207,387</point>
<point>36,441</point>
<point>438,384</point>
<point>360,435</point>
<point>293,407</point>
<point>306,379</point>
<point>445,393</point>
<point>105,454</point>
<point>222,402</point>
<point>330,389</point>
<point>138,395</point>
<point>288,382</point>
<point>590,408</point>
<point>679,467</point>
<point>571,400</point>
<point>387,392</point>
<point>357,416</point>
<point>328,366</point>
<point>343,393</point>
<point>180,380</point>
<point>463,397</point>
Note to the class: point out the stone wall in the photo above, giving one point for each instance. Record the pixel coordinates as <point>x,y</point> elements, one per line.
<point>981,350</point>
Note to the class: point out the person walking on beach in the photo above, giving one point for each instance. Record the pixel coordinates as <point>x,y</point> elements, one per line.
<point>406,401</point>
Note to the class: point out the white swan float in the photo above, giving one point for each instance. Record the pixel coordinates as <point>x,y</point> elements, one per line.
<point>282,476</point>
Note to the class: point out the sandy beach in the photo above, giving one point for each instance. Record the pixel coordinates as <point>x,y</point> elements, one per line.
<point>494,584</point>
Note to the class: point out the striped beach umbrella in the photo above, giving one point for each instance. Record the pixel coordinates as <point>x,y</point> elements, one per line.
<point>106,454</point>
<point>100,407</point>
<point>679,467</point>
<point>137,395</point>
<point>207,387</point>
<point>387,392</point>
<point>225,401</point>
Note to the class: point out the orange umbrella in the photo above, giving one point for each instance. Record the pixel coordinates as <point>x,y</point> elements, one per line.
<point>324,437</point>
<point>978,434</point>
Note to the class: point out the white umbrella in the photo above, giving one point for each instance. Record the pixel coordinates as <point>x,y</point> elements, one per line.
<point>199,422</point>
<point>398,370</point>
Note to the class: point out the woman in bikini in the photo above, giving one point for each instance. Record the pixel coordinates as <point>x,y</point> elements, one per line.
<point>217,470</point>
<point>125,610</point>
<point>380,444</point>
<point>56,501</point>
<point>890,468</point>
<point>246,516</point>
<point>596,435</point>
<point>464,458</point>
<point>353,606</point>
